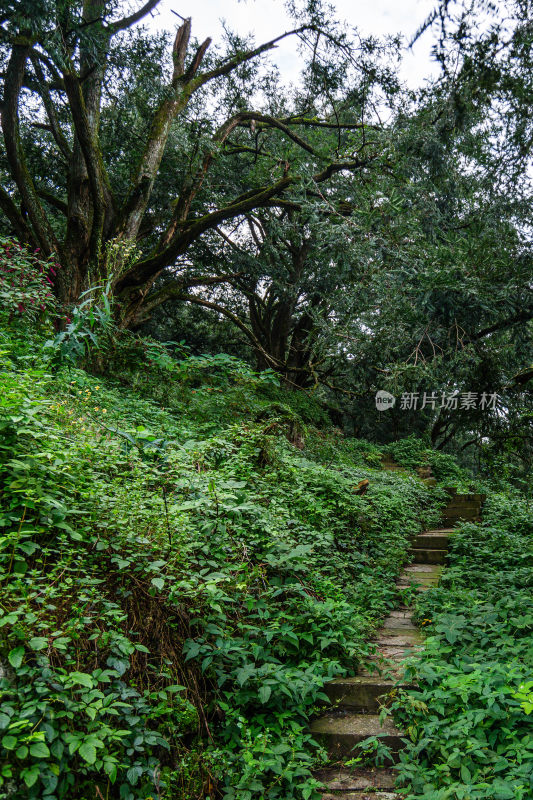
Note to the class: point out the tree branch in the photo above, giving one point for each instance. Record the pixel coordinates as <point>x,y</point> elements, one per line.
<point>521,316</point>
<point>11,211</point>
<point>53,200</point>
<point>272,122</point>
<point>127,22</point>
<point>241,58</point>
<point>15,154</point>
<point>91,153</point>
<point>44,93</point>
<point>143,181</point>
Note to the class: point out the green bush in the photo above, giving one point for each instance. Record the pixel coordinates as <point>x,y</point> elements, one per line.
<point>471,735</point>
<point>25,283</point>
<point>172,565</point>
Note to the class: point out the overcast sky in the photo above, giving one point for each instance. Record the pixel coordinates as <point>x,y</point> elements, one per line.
<point>267,18</point>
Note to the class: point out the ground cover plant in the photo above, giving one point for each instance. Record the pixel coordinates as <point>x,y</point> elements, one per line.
<point>471,721</point>
<point>185,562</point>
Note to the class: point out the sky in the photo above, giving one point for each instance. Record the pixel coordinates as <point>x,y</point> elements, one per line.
<point>267,18</point>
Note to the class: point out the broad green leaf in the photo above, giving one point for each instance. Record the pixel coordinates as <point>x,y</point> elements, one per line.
<point>88,752</point>
<point>264,693</point>
<point>15,657</point>
<point>83,678</point>
<point>9,742</point>
<point>38,643</point>
<point>39,750</point>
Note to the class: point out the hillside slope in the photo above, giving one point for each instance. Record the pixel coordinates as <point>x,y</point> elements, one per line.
<point>185,562</point>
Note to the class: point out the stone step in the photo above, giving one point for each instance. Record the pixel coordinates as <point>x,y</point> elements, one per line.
<point>459,502</point>
<point>388,662</point>
<point>433,540</point>
<point>357,780</point>
<point>462,507</point>
<point>425,574</point>
<point>461,518</point>
<point>364,795</point>
<point>452,513</point>
<point>480,498</point>
<point>422,555</point>
<point>364,694</point>
<point>401,618</point>
<point>398,637</point>
<point>341,731</point>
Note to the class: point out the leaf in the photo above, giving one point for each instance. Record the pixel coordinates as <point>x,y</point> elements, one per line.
<point>9,742</point>
<point>30,775</point>
<point>38,643</point>
<point>88,752</point>
<point>244,673</point>
<point>83,678</point>
<point>110,769</point>
<point>192,650</point>
<point>264,693</point>
<point>15,657</point>
<point>39,750</point>
<point>158,583</point>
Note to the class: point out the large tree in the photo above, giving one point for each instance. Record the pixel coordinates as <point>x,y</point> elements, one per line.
<point>130,147</point>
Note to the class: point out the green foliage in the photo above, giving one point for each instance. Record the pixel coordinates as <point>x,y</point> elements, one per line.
<point>25,282</point>
<point>413,452</point>
<point>173,565</point>
<point>471,736</point>
<point>90,329</point>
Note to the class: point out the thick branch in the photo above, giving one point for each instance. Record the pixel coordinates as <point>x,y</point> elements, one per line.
<point>9,208</point>
<point>93,159</point>
<point>127,22</point>
<point>521,316</point>
<point>15,154</point>
<point>148,166</point>
<point>317,123</point>
<point>178,288</point>
<point>53,200</point>
<point>256,198</point>
<point>54,127</point>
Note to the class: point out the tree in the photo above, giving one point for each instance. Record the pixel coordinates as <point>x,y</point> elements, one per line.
<point>287,267</point>
<point>63,81</point>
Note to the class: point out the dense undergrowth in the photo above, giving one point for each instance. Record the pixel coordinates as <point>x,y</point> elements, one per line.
<point>472,721</point>
<point>185,562</point>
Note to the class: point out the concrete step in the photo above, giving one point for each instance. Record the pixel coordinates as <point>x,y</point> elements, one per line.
<point>341,731</point>
<point>428,556</point>
<point>360,693</point>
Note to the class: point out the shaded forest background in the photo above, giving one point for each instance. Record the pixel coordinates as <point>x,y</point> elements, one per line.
<point>345,232</point>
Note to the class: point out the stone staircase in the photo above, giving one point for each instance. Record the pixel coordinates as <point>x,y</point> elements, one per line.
<point>357,700</point>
